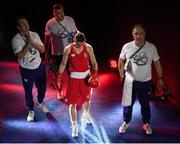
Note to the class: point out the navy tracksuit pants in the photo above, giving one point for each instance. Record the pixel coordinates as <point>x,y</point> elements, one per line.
<point>29,77</point>
<point>141,90</point>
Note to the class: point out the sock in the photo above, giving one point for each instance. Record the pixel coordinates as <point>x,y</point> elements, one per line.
<point>86,112</point>
<point>74,123</point>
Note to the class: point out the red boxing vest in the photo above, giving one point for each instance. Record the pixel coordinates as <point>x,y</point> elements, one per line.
<point>79,62</point>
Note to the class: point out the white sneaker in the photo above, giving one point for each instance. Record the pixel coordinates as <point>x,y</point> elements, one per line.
<point>123,127</point>
<point>147,128</point>
<point>30,116</point>
<point>43,107</point>
<point>74,131</point>
<point>87,118</point>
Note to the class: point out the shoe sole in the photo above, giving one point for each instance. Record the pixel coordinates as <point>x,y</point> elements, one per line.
<point>30,120</point>
<point>75,135</point>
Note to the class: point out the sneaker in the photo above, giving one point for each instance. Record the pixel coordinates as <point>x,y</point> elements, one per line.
<point>123,127</point>
<point>87,118</point>
<point>74,131</point>
<point>147,128</point>
<point>30,116</point>
<point>43,107</point>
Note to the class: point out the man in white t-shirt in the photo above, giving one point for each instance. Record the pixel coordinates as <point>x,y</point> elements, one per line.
<point>27,46</point>
<point>135,62</point>
<point>59,32</point>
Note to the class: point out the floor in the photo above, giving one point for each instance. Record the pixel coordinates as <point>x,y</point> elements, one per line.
<point>106,112</point>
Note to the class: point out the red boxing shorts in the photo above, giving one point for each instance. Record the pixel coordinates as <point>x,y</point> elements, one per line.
<point>77,91</point>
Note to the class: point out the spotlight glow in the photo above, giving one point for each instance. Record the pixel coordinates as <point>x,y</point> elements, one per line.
<point>113,63</point>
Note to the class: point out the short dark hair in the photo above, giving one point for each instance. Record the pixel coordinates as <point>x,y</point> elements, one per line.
<point>18,19</point>
<point>57,6</point>
<point>80,37</point>
<point>138,25</point>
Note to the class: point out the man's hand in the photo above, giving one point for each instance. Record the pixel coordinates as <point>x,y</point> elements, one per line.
<point>93,80</point>
<point>160,83</point>
<point>29,39</point>
<point>56,83</point>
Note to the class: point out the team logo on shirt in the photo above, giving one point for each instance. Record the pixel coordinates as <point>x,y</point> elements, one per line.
<point>141,59</point>
<point>85,55</point>
<point>73,55</point>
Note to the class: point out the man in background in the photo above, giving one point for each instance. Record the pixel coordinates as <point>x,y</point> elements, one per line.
<point>59,32</point>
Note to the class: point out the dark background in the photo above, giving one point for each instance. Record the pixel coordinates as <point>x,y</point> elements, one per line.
<point>107,26</point>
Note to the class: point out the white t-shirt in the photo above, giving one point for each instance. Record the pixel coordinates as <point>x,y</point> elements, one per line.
<point>32,58</point>
<point>60,33</point>
<point>141,62</point>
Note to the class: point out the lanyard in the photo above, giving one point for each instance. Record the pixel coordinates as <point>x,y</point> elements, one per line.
<point>136,51</point>
<point>61,25</point>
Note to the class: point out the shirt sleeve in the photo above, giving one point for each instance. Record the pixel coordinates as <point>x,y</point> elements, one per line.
<point>47,30</point>
<point>16,45</point>
<point>155,54</point>
<point>73,26</point>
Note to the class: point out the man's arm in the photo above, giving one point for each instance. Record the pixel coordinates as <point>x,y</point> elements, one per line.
<point>58,77</point>
<point>24,50</point>
<point>159,71</point>
<point>121,68</point>
<point>47,45</point>
<point>38,46</point>
<point>64,60</point>
<point>92,58</point>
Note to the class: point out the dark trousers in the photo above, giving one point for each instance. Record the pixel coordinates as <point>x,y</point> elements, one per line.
<point>141,90</point>
<point>56,61</point>
<point>29,77</point>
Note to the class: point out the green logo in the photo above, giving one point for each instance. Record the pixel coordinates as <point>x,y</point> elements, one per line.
<point>141,59</point>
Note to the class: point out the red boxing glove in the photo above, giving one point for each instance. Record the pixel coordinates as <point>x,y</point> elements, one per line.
<point>93,80</point>
<point>56,83</point>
